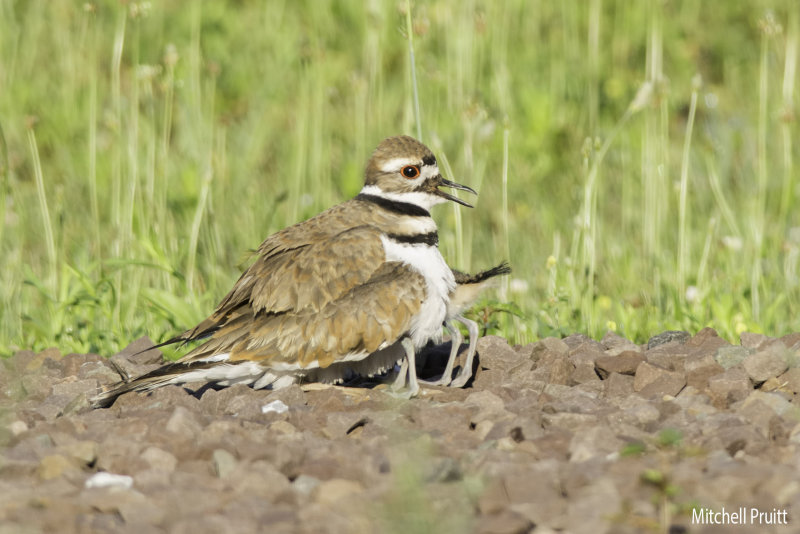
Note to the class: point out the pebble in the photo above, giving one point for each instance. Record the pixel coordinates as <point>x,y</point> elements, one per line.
<point>276,406</point>
<point>104,479</point>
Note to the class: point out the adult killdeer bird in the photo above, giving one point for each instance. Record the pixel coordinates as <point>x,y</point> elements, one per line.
<point>355,289</point>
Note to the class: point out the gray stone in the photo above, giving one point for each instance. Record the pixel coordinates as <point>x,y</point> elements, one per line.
<point>731,356</point>
<point>670,336</point>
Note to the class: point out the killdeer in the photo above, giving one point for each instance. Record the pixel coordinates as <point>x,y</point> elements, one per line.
<point>357,288</point>
<point>468,288</point>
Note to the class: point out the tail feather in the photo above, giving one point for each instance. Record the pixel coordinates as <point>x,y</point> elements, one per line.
<point>482,276</point>
<point>171,373</point>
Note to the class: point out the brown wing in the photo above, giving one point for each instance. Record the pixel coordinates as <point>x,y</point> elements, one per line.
<point>301,267</point>
<point>365,318</point>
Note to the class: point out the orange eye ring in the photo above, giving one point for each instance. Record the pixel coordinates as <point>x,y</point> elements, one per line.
<point>410,171</point>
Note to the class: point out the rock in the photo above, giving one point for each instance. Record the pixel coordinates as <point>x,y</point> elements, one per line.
<point>791,380</point>
<point>495,353</point>
<point>55,465</point>
<point>276,406</point>
<point>752,340</point>
<point>624,363</point>
<point>329,492</point>
<point>670,336</point>
<point>84,452</point>
<point>17,427</point>
<point>183,422</point>
<point>653,380</point>
<point>766,364</point>
<point>618,386</point>
<point>591,442</point>
<point>699,369</point>
<point>553,367</point>
<point>615,344</point>
<point>104,479</point>
<point>575,340</point>
<point>224,462</point>
<point>583,368</point>
<point>305,484</point>
<point>638,411</point>
<point>549,345</point>
<point>159,459</point>
<point>587,513</point>
<point>729,357</point>
<point>728,387</point>
<point>506,522</point>
<point>706,340</point>
<point>791,341</point>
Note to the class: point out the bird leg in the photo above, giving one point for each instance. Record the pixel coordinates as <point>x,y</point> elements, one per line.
<point>400,381</point>
<point>466,371</point>
<point>455,344</point>
<point>413,385</point>
<point>408,367</point>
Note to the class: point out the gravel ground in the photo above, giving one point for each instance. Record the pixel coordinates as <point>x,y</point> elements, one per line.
<point>563,435</point>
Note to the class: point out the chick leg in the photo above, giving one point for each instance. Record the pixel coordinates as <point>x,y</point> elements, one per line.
<point>466,371</point>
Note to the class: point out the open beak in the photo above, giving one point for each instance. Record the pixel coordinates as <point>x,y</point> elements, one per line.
<point>453,185</point>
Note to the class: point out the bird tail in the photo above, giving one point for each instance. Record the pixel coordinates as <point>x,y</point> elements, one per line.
<point>214,369</point>
<point>482,276</point>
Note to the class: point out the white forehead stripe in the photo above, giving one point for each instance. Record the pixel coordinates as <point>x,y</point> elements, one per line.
<point>395,164</point>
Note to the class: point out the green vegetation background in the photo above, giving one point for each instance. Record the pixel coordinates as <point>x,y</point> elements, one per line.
<point>635,160</point>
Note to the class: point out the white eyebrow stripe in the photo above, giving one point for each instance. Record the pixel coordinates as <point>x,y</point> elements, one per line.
<point>395,164</point>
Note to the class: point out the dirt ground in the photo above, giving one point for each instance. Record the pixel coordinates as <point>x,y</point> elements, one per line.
<point>684,434</point>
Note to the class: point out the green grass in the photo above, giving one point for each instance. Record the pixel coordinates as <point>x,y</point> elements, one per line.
<point>635,160</point>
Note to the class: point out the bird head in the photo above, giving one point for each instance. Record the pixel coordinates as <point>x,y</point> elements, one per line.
<point>403,169</point>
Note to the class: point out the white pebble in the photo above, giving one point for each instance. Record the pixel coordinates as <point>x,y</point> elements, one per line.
<point>18,427</point>
<point>277,406</point>
<point>109,480</point>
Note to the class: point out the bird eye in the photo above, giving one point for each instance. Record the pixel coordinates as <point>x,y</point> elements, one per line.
<point>410,171</point>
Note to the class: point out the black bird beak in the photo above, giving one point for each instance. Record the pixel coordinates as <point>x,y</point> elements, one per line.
<point>447,183</point>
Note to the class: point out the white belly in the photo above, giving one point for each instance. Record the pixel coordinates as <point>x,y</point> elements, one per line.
<point>428,261</point>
